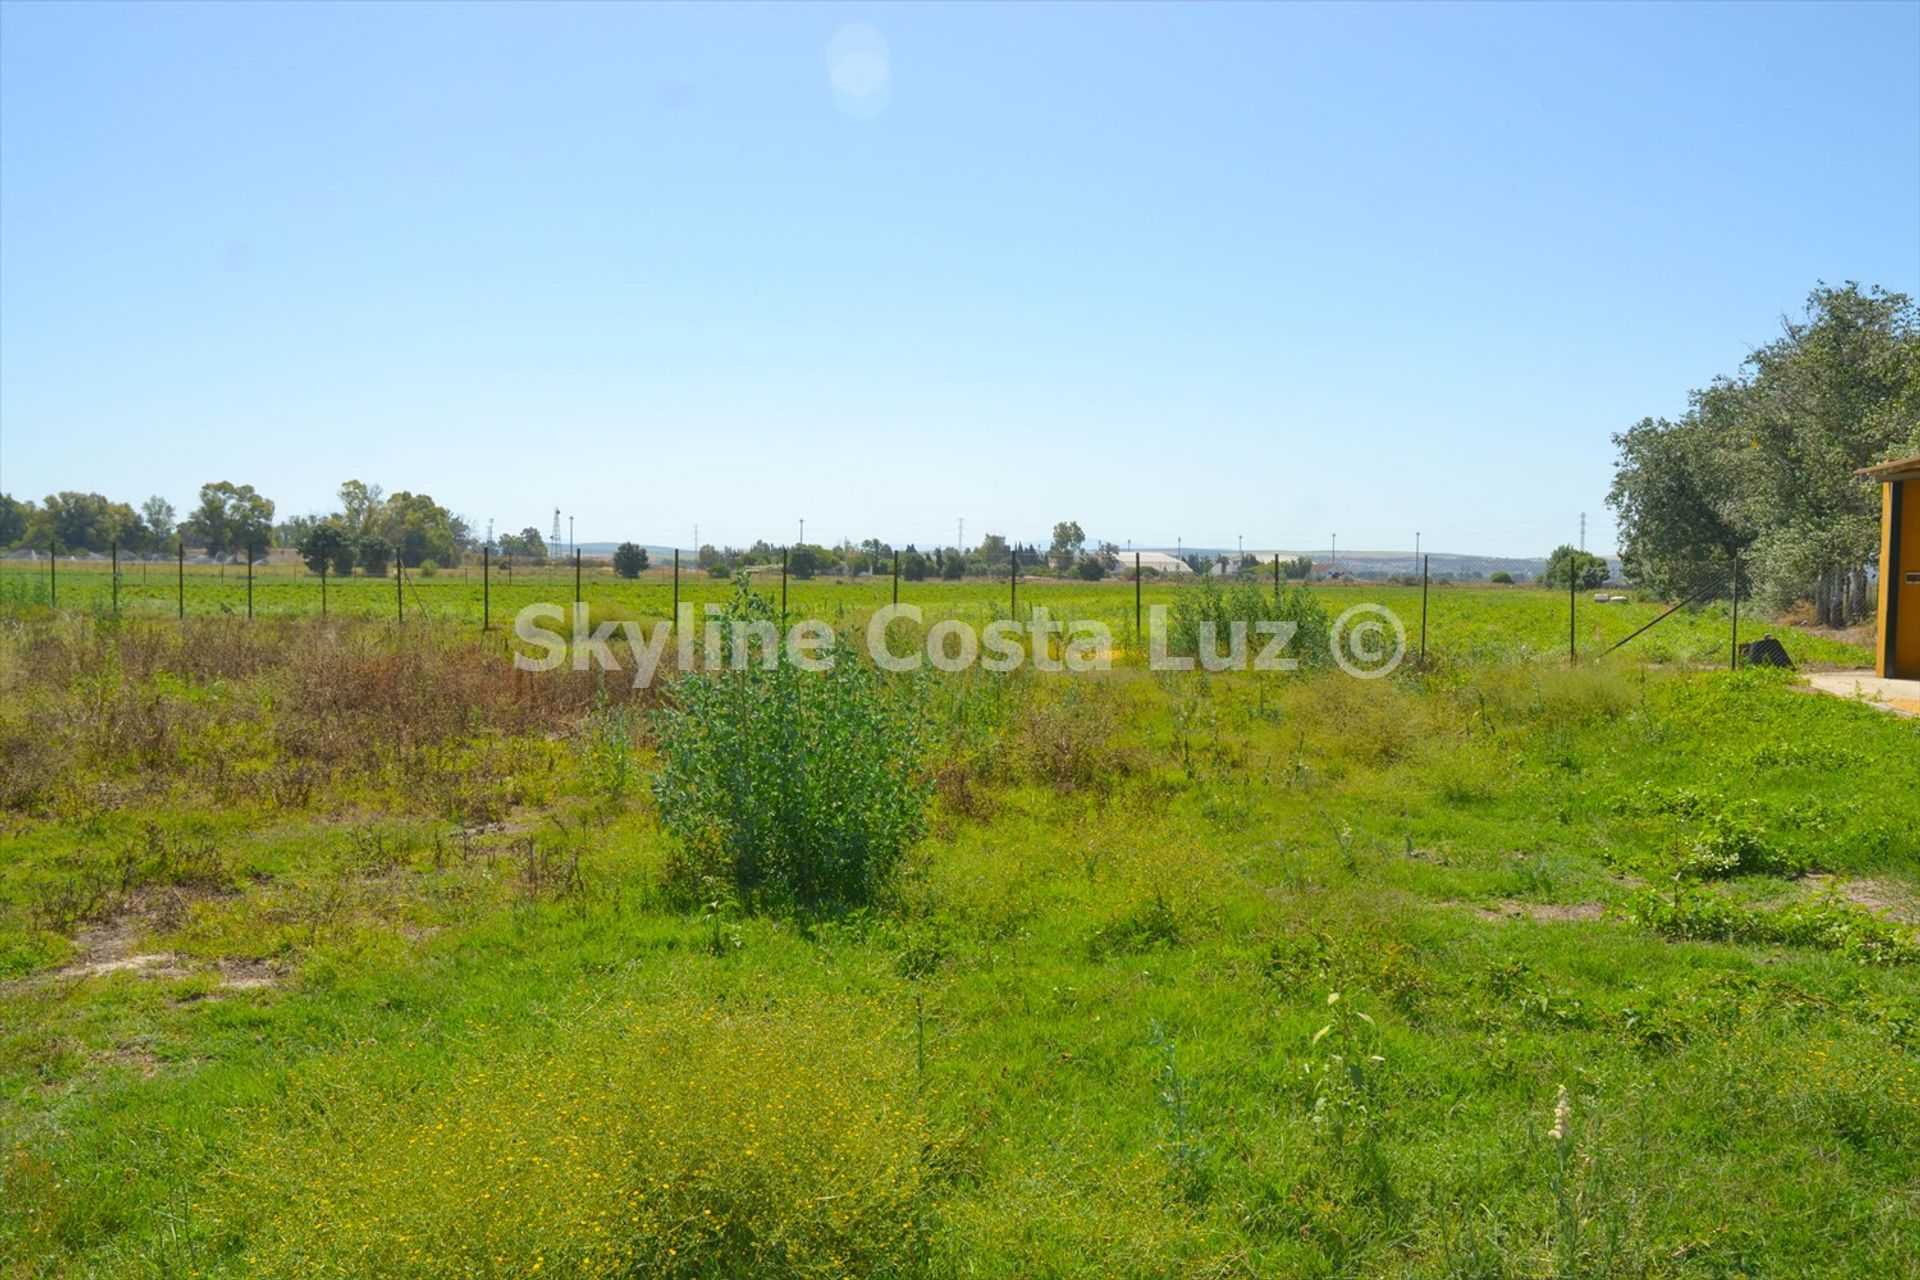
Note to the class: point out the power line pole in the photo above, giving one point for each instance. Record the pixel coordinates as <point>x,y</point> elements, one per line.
<point>1416,550</point>
<point>1583,531</point>
<point>1334,556</point>
<point>803,533</point>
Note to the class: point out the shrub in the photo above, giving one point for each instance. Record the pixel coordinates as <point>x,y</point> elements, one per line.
<point>1501,576</point>
<point>1205,603</point>
<point>1826,923</point>
<point>1092,569</point>
<point>606,740</point>
<point>792,785</point>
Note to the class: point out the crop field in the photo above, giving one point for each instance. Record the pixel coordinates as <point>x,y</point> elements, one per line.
<point>1469,623</point>
<point>347,949</point>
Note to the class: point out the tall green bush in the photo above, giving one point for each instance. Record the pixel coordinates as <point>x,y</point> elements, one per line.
<point>1205,600</point>
<point>797,787</point>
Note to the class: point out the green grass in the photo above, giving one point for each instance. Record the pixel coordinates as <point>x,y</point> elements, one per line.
<point>402,990</point>
<point>1465,623</point>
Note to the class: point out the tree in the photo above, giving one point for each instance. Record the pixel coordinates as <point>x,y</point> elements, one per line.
<point>992,553</point>
<point>1762,465</point>
<point>14,519</point>
<point>231,517</point>
<point>1068,544</point>
<point>1092,569</point>
<point>159,516</point>
<point>82,522</point>
<point>804,560</point>
<point>1678,505</point>
<point>419,528</point>
<point>914,567</point>
<point>327,548</point>
<point>953,567</point>
<point>1500,577</point>
<point>1585,569</point>
<point>629,559</point>
<point>374,554</point>
<point>360,505</point>
<point>527,542</point>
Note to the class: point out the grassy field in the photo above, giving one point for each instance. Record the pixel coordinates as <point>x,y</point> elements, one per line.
<point>348,950</point>
<point>1464,623</point>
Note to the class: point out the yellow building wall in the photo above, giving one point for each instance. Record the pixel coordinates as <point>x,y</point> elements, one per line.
<point>1899,581</point>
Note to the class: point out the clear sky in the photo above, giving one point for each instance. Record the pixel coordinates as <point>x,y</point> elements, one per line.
<point>1194,272</point>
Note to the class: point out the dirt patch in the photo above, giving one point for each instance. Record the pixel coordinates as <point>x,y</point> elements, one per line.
<point>1889,898</point>
<point>1550,912</point>
<point>109,948</point>
<point>247,975</point>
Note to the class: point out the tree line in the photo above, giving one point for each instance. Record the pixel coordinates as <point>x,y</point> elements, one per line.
<point>1762,464</point>
<point>369,531</point>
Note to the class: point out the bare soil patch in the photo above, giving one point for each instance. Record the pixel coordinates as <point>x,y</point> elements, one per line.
<point>1552,912</point>
<point>1890,898</point>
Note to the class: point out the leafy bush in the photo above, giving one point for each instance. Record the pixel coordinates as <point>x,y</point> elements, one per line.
<point>1826,923</point>
<point>1205,602</point>
<point>1735,843</point>
<point>793,785</point>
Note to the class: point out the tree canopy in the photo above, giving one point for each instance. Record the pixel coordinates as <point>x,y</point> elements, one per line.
<point>1762,464</point>
<point>629,559</point>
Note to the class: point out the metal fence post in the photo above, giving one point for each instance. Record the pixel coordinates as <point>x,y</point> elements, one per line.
<point>114,550</point>
<point>399,601</point>
<point>1136,597</point>
<point>53,576</point>
<point>1276,577</point>
<point>576,575</point>
<point>182,587</point>
<point>249,582</point>
<point>1733,658</point>
<point>1425,561</point>
<point>486,587</point>
<point>896,577</point>
<point>1013,581</point>
<point>323,588</point>
<point>1573,606</point>
<point>674,617</point>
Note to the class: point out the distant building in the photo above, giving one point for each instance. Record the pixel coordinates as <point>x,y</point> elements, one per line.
<point>1155,562</point>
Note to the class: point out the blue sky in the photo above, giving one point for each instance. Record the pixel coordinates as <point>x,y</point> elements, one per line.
<point>1195,272</point>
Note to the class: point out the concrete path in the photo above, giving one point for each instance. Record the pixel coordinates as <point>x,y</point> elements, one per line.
<point>1899,696</point>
